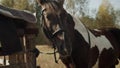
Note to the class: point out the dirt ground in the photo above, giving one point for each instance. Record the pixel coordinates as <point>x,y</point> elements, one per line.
<point>47,61</point>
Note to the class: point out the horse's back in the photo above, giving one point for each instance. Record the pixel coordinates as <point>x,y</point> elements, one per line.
<point>116,33</point>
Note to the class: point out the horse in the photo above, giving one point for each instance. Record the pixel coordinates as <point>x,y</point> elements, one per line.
<point>78,46</point>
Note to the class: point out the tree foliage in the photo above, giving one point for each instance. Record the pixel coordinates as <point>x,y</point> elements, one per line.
<point>78,7</point>
<point>89,22</point>
<point>117,21</point>
<point>19,4</point>
<point>8,3</point>
<point>106,15</point>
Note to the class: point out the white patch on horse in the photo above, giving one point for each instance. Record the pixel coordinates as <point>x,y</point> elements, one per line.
<point>81,28</point>
<point>101,42</point>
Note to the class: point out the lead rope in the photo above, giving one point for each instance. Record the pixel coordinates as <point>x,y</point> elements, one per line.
<point>56,61</point>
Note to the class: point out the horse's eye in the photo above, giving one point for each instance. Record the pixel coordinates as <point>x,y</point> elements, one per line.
<point>49,17</point>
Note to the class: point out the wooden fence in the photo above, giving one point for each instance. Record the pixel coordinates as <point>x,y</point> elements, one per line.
<point>25,58</point>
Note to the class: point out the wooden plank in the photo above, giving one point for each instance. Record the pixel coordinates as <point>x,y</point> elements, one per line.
<point>20,55</point>
<point>17,60</point>
<point>30,56</point>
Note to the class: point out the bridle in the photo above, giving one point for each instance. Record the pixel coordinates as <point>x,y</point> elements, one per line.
<point>51,35</point>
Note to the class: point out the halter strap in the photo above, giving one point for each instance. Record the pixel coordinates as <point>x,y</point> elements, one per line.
<point>49,34</point>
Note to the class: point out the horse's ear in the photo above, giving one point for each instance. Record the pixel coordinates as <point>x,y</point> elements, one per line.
<point>41,1</point>
<point>61,2</point>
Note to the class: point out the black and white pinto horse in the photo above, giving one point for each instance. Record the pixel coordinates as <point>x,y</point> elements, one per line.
<point>78,46</point>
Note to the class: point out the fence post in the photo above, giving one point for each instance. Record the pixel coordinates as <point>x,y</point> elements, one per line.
<point>30,37</point>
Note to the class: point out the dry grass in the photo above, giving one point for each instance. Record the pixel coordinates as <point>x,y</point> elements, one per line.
<point>47,61</point>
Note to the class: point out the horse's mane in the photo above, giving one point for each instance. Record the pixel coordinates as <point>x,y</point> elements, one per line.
<point>70,19</point>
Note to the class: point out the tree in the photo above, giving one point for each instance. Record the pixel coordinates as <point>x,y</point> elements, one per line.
<point>117,13</point>
<point>106,16</point>
<point>19,4</point>
<point>77,6</point>
<point>89,22</point>
<point>8,3</point>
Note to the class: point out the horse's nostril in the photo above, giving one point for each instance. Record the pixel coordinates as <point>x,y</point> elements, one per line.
<point>60,37</point>
<point>64,52</point>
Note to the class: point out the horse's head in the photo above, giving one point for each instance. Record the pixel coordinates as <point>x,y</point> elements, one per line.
<point>58,25</point>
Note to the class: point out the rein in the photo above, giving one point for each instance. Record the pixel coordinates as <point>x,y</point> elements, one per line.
<point>50,35</point>
<point>48,53</point>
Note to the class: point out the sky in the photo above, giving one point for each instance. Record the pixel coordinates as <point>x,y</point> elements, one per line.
<point>94,5</point>
<point>116,3</point>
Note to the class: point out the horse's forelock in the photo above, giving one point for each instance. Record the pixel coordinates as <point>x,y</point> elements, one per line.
<point>55,5</point>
